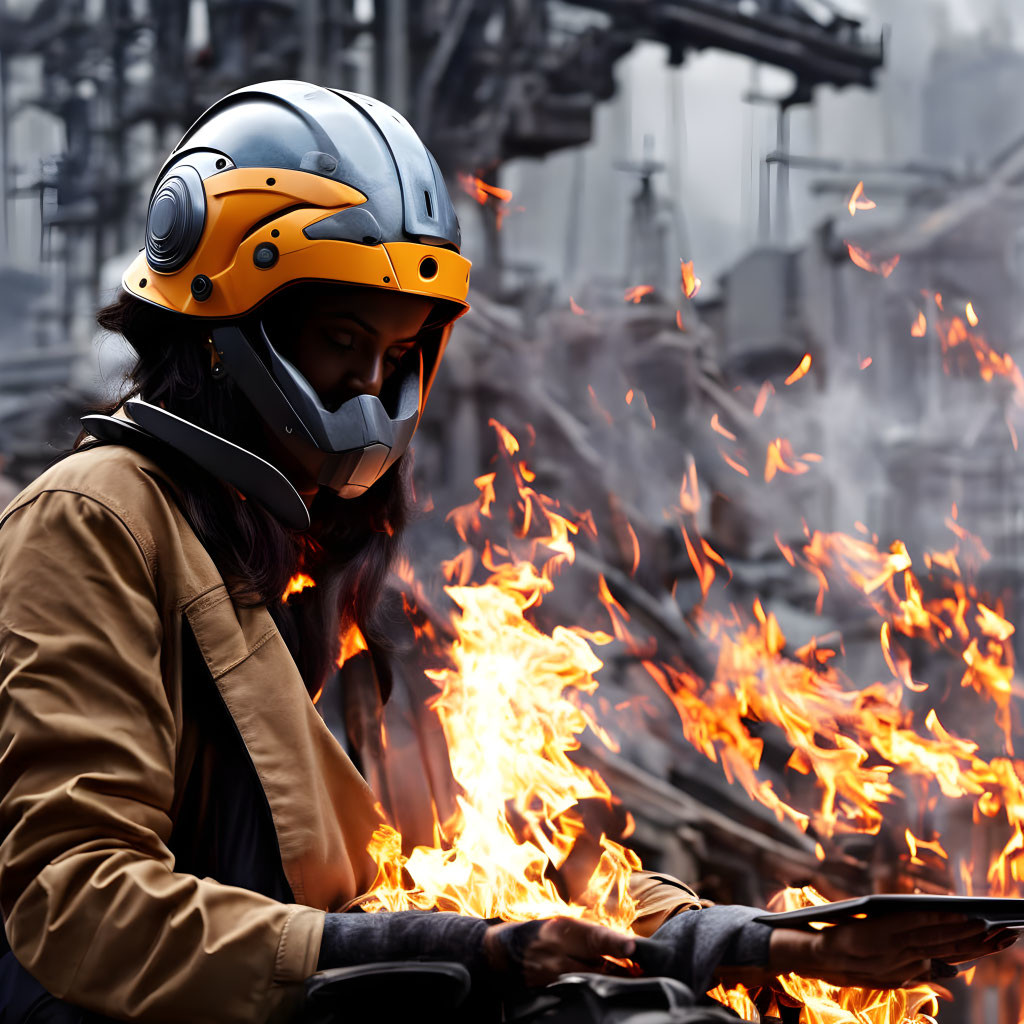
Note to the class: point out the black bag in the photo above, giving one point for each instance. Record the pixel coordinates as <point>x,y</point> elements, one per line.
<point>399,991</point>
<point>599,999</point>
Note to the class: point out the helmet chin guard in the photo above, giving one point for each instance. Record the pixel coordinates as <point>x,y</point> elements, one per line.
<point>346,449</point>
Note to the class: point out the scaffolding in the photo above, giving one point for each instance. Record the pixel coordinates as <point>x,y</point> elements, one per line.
<point>484,81</point>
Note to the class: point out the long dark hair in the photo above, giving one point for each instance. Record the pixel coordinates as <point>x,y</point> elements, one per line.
<point>351,543</point>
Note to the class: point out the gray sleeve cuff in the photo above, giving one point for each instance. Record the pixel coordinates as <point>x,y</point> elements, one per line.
<point>749,947</point>
<point>360,938</point>
<point>697,942</point>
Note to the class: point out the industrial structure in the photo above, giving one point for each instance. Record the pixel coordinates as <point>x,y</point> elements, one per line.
<point>93,93</point>
<point>109,85</point>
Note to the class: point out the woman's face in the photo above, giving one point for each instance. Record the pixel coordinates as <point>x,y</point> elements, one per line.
<point>347,342</point>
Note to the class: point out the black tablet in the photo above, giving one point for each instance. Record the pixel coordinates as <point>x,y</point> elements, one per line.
<point>1006,913</point>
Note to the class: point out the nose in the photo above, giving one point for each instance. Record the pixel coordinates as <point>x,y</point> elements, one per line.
<point>366,377</point>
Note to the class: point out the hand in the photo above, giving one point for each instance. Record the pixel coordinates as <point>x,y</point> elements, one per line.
<point>886,952</point>
<point>537,952</point>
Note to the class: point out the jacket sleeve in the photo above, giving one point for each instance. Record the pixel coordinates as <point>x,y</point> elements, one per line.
<point>91,903</point>
<point>659,897</point>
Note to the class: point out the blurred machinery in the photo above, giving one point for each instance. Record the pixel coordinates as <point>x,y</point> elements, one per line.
<point>93,92</point>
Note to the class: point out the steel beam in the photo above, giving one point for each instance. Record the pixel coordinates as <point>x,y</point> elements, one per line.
<point>834,54</point>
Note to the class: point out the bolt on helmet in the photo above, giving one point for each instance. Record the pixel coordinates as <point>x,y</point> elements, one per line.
<point>281,183</point>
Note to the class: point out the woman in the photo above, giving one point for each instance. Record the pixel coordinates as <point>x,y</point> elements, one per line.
<point>180,830</point>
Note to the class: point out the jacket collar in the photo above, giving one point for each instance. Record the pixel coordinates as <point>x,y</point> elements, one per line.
<point>143,426</point>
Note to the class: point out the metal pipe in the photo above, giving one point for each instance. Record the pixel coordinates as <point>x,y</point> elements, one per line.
<point>782,179</point>
<point>821,163</point>
<point>5,138</point>
<point>438,64</point>
<point>310,16</point>
<point>393,46</point>
<point>764,204</point>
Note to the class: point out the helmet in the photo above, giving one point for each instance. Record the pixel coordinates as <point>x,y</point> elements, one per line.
<point>286,182</point>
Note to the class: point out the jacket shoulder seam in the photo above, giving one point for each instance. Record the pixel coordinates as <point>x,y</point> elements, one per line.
<point>120,514</point>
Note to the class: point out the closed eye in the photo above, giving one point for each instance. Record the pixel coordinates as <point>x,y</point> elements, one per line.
<point>339,339</point>
<point>396,354</point>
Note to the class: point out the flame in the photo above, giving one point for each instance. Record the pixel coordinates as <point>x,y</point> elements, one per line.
<point>352,642</point>
<point>690,281</point>
<point>780,459</point>
<point>734,464</point>
<point>960,342</point>
<point>576,307</point>
<point>511,705</point>
<point>296,584</point>
<point>484,194</point>
<point>801,370</point>
<point>866,362</point>
<point>865,261</point>
<point>716,425</point>
<point>600,409</point>
<point>481,191</point>
<point>637,292</point>
<point>858,201</point>
<point>767,389</point>
<point>838,732</point>
<point>920,326</point>
<point>508,744</point>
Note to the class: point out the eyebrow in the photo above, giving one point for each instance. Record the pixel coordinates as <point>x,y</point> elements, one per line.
<point>368,327</point>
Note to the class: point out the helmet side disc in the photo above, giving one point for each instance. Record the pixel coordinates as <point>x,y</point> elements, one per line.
<point>177,216</point>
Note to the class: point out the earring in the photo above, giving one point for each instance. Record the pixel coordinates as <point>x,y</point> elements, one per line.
<point>217,370</point>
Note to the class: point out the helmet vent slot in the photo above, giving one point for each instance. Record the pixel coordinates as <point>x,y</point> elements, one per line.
<point>430,205</point>
<point>274,216</point>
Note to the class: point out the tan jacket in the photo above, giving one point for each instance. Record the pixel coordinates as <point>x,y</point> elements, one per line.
<point>97,570</point>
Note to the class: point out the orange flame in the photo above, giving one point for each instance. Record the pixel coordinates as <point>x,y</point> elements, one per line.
<point>780,459</point>
<point>858,201</point>
<point>484,194</point>
<point>481,191</point>
<point>766,391</point>
<point>734,464</point>
<point>296,585</point>
<point>716,425</point>
<point>801,370</point>
<point>637,292</point>
<point>920,326</point>
<point>508,743</point>
<point>960,341</point>
<point>865,261</point>
<point>858,745</point>
<point>690,281</point>
<point>352,642</point>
